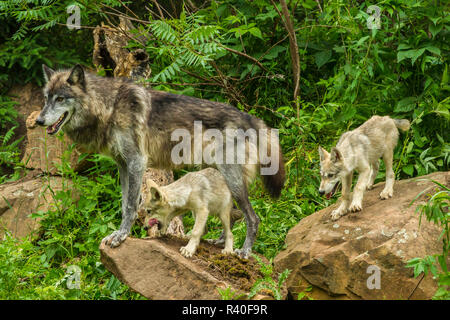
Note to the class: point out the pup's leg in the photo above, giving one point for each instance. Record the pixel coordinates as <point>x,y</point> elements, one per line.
<point>234,178</point>
<point>201,216</point>
<point>345,197</point>
<point>235,215</point>
<point>373,174</point>
<point>390,177</point>
<point>360,187</point>
<point>131,174</point>
<point>225,218</point>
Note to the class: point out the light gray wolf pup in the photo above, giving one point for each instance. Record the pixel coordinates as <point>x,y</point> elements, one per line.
<point>134,125</point>
<point>360,150</point>
<point>203,192</point>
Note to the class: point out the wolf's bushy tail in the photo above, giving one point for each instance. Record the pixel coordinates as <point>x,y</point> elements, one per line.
<point>275,183</point>
<point>402,124</point>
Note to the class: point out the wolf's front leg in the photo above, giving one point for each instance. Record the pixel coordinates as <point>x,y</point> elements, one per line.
<point>345,197</point>
<point>201,216</point>
<point>360,187</point>
<point>130,180</point>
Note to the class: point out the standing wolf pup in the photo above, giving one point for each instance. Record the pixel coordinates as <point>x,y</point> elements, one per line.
<point>360,150</point>
<point>203,192</point>
<point>134,126</point>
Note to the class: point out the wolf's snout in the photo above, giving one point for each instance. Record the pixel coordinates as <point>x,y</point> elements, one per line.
<point>39,121</point>
<point>321,192</point>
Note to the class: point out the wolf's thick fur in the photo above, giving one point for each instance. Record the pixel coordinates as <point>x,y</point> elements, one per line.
<point>133,125</point>
<point>203,192</point>
<point>360,150</point>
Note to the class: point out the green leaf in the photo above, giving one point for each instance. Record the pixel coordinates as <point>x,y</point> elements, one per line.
<point>409,169</point>
<point>406,104</point>
<point>434,30</point>
<point>322,57</point>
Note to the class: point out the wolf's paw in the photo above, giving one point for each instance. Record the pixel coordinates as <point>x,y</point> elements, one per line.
<point>187,252</point>
<point>355,207</point>
<point>243,253</point>
<point>386,194</point>
<point>227,251</point>
<point>115,238</point>
<point>336,214</point>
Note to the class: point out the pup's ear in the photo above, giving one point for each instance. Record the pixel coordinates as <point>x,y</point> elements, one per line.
<point>77,76</point>
<point>156,194</point>
<point>323,154</point>
<point>336,155</point>
<point>48,72</point>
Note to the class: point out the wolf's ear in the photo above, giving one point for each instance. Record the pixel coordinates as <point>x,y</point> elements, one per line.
<point>157,196</point>
<point>77,76</point>
<point>48,72</point>
<point>336,155</point>
<point>323,153</point>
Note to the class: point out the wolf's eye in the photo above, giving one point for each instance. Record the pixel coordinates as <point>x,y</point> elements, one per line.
<point>330,175</point>
<point>59,99</point>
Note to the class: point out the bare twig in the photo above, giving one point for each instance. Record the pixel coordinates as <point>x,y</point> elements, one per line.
<point>293,47</point>
<point>159,9</point>
<point>320,7</point>
<point>246,56</point>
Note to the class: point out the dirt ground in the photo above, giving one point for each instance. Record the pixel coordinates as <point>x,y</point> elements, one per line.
<point>238,272</point>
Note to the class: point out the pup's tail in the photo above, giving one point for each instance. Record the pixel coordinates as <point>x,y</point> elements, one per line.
<point>402,124</point>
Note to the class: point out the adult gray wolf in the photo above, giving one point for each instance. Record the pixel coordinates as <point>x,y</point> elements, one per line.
<point>203,192</point>
<point>133,125</point>
<point>360,150</point>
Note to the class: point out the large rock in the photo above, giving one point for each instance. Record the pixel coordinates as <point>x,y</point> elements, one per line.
<point>334,256</point>
<point>29,98</point>
<point>21,198</point>
<point>158,271</point>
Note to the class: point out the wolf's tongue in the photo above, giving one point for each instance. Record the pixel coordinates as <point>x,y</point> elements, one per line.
<point>328,195</point>
<point>152,222</point>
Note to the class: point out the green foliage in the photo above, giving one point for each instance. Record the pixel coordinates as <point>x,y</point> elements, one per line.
<point>229,294</point>
<point>436,210</point>
<point>266,282</point>
<point>236,52</point>
<point>86,209</point>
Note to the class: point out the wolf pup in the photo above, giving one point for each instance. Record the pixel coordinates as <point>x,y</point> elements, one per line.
<point>134,126</point>
<point>203,192</point>
<point>360,150</point>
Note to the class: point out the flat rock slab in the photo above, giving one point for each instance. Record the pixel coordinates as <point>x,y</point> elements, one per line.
<point>159,272</point>
<point>337,258</point>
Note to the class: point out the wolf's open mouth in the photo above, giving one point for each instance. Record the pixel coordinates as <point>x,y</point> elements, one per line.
<point>153,221</point>
<point>54,128</point>
<point>333,191</point>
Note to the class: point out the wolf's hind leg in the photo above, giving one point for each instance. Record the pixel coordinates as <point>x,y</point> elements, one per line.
<point>373,174</point>
<point>234,178</point>
<point>388,190</point>
<point>228,235</point>
<point>235,215</point>
<point>201,216</point>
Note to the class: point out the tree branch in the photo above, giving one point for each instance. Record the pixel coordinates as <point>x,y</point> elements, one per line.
<point>293,47</point>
